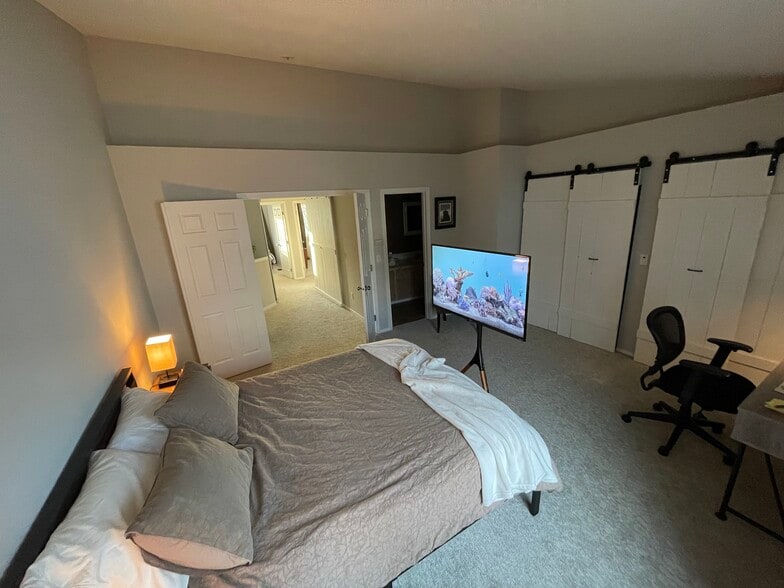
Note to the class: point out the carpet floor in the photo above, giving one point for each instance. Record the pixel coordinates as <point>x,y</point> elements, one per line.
<point>627,516</point>
<point>304,325</point>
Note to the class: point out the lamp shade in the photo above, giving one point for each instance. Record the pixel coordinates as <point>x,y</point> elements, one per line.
<point>161,354</point>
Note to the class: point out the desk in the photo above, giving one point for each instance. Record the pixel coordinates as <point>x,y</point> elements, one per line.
<point>762,429</point>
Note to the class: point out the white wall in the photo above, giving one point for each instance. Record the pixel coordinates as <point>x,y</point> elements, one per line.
<point>73,305</point>
<point>722,128</point>
<point>147,176</point>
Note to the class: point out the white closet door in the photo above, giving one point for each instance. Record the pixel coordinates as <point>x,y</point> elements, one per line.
<point>543,235</point>
<point>710,219</point>
<point>596,253</point>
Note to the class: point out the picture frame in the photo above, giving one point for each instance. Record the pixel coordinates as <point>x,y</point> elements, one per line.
<point>445,211</point>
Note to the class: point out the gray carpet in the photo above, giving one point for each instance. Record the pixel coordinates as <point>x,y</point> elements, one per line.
<point>627,516</point>
<point>305,325</point>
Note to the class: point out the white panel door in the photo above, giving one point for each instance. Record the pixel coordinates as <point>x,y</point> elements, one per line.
<point>598,238</point>
<point>214,259</point>
<point>701,261</point>
<point>543,235</point>
<point>281,238</point>
<point>321,239</point>
<point>365,240</point>
<point>710,220</point>
<point>596,252</point>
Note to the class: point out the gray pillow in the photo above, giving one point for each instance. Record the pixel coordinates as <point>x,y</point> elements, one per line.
<point>197,517</point>
<point>203,402</point>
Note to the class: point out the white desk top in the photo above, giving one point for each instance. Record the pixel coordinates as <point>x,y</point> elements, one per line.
<point>760,427</point>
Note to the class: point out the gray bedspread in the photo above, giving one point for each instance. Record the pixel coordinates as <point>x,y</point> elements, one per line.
<point>355,478</point>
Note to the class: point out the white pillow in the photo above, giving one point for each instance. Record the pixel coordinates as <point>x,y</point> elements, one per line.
<point>138,429</point>
<point>89,547</point>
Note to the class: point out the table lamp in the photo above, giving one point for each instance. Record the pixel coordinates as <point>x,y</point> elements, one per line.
<point>162,357</point>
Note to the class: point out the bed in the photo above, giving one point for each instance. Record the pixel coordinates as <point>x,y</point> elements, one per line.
<point>354,477</point>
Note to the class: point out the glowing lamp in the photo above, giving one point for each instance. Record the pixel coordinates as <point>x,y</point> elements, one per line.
<point>162,357</point>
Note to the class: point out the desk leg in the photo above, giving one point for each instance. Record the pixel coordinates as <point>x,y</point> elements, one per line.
<point>776,493</point>
<point>725,502</point>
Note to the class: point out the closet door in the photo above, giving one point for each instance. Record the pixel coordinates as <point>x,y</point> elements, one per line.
<point>710,219</point>
<point>543,234</point>
<point>596,253</point>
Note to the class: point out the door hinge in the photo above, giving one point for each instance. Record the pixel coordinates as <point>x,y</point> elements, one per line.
<point>371,267</point>
<point>374,317</point>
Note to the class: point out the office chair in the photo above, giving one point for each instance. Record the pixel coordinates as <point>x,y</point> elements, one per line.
<point>708,386</point>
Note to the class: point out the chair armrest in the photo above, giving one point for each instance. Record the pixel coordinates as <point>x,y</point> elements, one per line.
<point>725,348</point>
<point>731,345</point>
<point>704,368</point>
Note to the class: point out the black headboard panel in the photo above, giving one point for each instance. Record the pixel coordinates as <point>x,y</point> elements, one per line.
<point>96,436</point>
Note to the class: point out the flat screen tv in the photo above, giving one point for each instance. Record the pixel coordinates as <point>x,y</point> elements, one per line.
<point>483,286</point>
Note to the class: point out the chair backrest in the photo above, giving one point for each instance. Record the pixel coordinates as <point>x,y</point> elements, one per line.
<point>666,325</point>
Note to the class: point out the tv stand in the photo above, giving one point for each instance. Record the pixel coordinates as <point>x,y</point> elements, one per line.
<point>477,359</point>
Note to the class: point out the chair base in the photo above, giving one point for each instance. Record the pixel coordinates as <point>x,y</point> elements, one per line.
<point>683,421</point>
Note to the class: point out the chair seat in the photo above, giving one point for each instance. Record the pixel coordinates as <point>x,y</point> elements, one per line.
<point>722,394</point>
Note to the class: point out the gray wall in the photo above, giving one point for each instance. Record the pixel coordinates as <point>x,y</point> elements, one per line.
<point>164,96</point>
<point>74,305</point>
<point>528,118</point>
<point>154,95</point>
<point>258,238</point>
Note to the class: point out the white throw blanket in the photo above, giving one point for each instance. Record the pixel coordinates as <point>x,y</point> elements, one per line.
<point>512,456</point>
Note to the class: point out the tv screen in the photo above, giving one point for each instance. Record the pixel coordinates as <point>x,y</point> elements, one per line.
<point>486,287</point>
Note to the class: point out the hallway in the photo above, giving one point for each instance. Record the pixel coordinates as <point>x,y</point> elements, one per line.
<point>304,325</point>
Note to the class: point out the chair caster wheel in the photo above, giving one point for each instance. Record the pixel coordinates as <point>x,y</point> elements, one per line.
<point>728,460</point>
<point>718,429</point>
<point>663,451</point>
<point>658,406</point>
<point>626,418</point>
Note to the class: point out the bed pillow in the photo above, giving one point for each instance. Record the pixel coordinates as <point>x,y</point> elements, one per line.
<point>89,548</point>
<point>138,429</point>
<point>203,402</point>
<point>197,517</point>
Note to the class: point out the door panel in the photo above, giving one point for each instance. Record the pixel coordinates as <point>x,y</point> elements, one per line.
<point>365,240</point>
<point>213,256</point>
<point>543,236</point>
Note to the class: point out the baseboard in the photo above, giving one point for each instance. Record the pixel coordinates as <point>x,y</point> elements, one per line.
<point>624,352</point>
<point>348,308</point>
<point>270,305</point>
<point>327,296</point>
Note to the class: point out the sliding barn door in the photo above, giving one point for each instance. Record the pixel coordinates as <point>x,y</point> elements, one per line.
<point>596,252</point>
<point>543,235</point>
<point>212,252</point>
<point>710,220</point>
<point>321,240</point>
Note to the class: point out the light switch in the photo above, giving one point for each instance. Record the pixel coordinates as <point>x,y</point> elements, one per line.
<point>643,259</point>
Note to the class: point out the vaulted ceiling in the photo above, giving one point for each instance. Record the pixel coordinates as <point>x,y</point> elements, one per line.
<point>524,44</point>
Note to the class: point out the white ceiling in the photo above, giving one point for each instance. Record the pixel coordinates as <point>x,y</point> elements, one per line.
<point>525,44</point>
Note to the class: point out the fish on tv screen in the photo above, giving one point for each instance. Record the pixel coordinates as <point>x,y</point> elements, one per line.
<point>489,288</point>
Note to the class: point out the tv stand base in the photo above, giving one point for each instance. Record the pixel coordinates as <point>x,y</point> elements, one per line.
<point>478,360</point>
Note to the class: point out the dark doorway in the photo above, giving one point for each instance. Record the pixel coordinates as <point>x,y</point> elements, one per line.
<point>404,227</point>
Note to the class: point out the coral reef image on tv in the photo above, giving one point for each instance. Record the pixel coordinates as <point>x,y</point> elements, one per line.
<point>490,288</point>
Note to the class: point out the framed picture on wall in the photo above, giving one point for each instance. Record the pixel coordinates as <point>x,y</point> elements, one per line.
<point>445,212</point>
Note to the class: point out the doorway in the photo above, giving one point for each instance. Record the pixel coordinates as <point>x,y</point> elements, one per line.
<point>404,223</point>
<point>315,272</point>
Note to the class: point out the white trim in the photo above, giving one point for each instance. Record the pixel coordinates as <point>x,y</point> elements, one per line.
<point>327,296</point>
<point>271,305</point>
<point>295,194</point>
<point>373,281</point>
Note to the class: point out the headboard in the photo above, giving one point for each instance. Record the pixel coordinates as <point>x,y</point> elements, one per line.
<point>95,436</point>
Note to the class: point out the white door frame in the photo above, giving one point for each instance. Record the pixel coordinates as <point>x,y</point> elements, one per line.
<point>427,240</point>
<point>373,281</point>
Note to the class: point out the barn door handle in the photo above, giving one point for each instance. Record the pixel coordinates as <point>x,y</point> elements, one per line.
<point>691,269</point>
<point>593,259</point>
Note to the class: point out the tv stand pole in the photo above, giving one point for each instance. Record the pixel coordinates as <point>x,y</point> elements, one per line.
<point>477,359</point>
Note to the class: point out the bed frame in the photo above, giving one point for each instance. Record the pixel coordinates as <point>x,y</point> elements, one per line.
<point>95,436</point>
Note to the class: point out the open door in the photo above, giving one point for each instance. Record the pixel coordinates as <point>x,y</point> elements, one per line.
<point>365,239</point>
<point>214,259</point>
